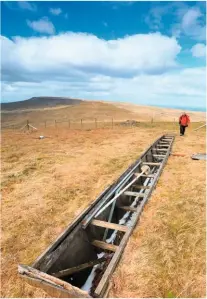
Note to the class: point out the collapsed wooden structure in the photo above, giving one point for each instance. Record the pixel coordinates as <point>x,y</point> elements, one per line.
<point>82,259</point>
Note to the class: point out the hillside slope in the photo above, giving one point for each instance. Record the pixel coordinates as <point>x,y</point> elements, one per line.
<point>39,102</point>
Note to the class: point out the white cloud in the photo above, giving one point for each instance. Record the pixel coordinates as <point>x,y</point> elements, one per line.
<point>188,20</point>
<point>27,5</point>
<point>139,68</point>
<point>184,88</point>
<point>141,53</point>
<point>43,26</point>
<point>192,24</point>
<point>55,11</point>
<point>199,50</point>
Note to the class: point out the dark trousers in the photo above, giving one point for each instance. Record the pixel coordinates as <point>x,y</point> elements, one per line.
<point>182,129</point>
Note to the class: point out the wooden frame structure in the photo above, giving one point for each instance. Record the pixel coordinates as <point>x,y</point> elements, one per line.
<point>75,251</point>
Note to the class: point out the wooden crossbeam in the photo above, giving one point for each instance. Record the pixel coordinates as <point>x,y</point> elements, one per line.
<point>79,268</point>
<point>161,156</point>
<point>152,163</point>
<point>160,150</point>
<point>103,245</point>
<point>148,175</point>
<point>130,193</point>
<point>126,208</point>
<point>110,225</point>
<point>141,187</point>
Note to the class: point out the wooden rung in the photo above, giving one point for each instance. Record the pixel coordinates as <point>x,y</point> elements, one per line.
<point>103,245</point>
<point>110,225</point>
<point>161,156</point>
<point>126,208</point>
<point>160,150</point>
<point>141,187</point>
<point>152,163</point>
<point>148,175</point>
<point>162,145</point>
<point>130,193</point>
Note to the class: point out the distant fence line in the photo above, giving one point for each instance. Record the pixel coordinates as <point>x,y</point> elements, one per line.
<point>83,123</point>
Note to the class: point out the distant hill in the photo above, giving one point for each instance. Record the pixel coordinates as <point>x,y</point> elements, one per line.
<point>39,102</point>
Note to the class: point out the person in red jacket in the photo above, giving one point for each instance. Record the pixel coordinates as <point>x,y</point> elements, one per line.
<point>184,121</point>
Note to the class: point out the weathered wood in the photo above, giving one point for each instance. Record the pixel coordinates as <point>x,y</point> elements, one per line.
<point>66,232</point>
<point>110,225</point>
<point>122,179</point>
<point>103,245</point>
<point>127,208</point>
<point>79,268</point>
<point>148,175</point>
<point>152,163</point>
<point>101,288</point>
<point>130,193</point>
<point>73,292</point>
<point>161,156</point>
<point>141,187</point>
<point>145,169</point>
<point>160,150</point>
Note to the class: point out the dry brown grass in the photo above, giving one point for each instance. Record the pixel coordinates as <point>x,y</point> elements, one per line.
<point>46,183</point>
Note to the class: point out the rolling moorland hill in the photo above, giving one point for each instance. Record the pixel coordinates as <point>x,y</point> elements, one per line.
<point>40,109</point>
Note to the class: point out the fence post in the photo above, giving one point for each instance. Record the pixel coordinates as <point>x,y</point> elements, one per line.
<point>27,125</point>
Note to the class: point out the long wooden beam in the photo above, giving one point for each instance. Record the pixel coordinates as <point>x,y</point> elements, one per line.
<point>79,268</point>
<point>152,163</point>
<point>110,225</point>
<point>103,245</point>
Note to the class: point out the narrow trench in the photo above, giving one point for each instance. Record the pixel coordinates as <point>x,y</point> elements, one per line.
<point>114,237</point>
<point>78,248</point>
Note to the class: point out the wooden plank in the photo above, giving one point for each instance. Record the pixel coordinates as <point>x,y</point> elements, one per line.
<point>127,208</point>
<point>103,245</point>
<point>130,193</point>
<point>148,175</point>
<point>144,169</point>
<point>160,150</point>
<point>79,268</point>
<point>161,156</point>
<point>102,286</point>
<point>152,163</point>
<point>141,187</point>
<point>72,291</point>
<point>110,225</point>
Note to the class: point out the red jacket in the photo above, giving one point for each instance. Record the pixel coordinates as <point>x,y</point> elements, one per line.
<point>184,120</point>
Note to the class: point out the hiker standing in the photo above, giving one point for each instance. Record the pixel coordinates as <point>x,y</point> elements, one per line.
<point>184,121</point>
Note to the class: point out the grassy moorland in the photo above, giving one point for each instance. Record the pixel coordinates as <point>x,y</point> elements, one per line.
<point>42,194</point>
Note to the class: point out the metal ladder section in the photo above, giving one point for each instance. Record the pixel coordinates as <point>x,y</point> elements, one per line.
<point>147,170</point>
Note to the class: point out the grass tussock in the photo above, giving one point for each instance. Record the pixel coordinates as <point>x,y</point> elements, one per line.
<point>47,183</point>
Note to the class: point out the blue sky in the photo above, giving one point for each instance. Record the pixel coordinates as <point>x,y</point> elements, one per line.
<point>149,53</point>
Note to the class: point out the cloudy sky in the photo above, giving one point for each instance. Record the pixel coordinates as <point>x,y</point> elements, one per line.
<point>149,53</point>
